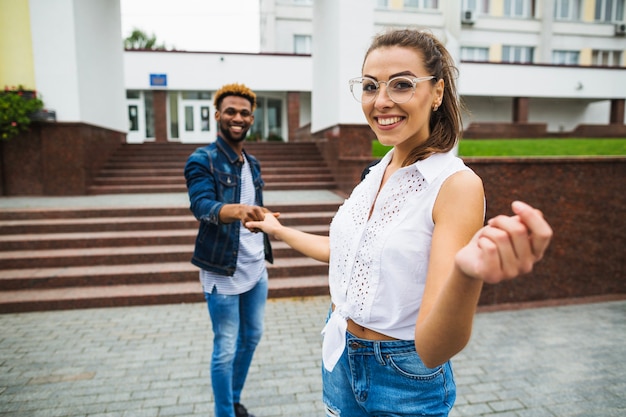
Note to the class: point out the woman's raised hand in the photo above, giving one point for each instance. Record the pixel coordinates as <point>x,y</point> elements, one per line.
<point>507,247</point>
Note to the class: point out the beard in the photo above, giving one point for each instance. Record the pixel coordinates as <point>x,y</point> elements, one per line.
<point>226,133</point>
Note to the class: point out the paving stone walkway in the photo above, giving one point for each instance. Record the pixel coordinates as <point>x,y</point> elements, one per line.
<point>153,361</point>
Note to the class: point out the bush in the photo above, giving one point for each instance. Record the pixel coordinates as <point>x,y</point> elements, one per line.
<point>16,109</point>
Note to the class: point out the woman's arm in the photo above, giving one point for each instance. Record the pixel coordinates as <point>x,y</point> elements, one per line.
<point>311,245</point>
<point>461,261</point>
<point>449,302</point>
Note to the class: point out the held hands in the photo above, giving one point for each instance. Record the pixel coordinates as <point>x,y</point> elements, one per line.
<point>255,214</point>
<point>507,247</point>
<point>268,223</point>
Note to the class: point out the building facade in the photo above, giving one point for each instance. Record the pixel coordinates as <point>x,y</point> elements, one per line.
<point>539,66</point>
<point>551,66</point>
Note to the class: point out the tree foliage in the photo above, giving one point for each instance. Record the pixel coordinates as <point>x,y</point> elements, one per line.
<point>138,39</point>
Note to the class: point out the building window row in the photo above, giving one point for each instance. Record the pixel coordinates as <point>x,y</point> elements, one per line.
<point>525,55</point>
<point>607,11</point>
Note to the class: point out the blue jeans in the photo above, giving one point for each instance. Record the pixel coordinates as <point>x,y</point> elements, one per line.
<point>386,378</point>
<point>237,328</point>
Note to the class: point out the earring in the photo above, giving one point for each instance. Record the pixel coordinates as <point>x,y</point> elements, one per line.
<point>435,107</point>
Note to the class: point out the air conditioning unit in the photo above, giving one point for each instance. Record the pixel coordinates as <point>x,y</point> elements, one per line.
<point>620,28</point>
<point>468,17</point>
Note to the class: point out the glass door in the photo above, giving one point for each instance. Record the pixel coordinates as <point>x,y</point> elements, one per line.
<point>136,117</point>
<point>196,123</point>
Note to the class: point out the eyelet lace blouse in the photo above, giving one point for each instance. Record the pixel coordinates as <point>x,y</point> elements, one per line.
<point>378,266</point>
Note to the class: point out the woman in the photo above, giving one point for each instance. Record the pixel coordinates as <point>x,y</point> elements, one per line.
<point>408,252</point>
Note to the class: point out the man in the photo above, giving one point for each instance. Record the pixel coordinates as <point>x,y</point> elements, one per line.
<point>225,191</point>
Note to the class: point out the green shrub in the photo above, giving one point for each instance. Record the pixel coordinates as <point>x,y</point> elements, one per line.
<point>16,109</point>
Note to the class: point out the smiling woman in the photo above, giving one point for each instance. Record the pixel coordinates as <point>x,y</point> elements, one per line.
<point>195,25</point>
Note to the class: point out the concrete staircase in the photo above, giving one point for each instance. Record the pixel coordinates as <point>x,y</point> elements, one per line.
<point>67,258</point>
<point>158,167</point>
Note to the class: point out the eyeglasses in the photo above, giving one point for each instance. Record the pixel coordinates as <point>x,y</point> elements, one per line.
<point>399,89</point>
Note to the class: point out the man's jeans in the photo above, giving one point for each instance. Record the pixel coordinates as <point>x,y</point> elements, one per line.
<point>237,328</point>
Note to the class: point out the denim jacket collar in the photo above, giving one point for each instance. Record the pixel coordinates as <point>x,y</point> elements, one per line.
<point>230,153</point>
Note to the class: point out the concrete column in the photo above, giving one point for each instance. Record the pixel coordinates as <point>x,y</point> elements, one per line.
<point>78,60</point>
<point>342,31</point>
<point>544,55</point>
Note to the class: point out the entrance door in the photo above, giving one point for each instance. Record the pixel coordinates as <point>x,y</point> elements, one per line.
<point>196,122</point>
<point>136,117</point>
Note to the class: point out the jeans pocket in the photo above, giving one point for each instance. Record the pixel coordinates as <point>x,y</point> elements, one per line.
<point>411,366</point>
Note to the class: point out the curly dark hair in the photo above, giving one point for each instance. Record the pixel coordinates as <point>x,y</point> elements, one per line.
<point>239,90</point>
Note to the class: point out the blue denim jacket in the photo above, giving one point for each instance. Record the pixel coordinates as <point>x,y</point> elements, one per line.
<point>213,175</point>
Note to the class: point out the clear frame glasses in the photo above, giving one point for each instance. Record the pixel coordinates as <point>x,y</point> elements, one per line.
<point>399,89</point>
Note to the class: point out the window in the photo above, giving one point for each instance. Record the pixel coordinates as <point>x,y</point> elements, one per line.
<point>609,10</point>
<point>267,118</point>
<point>470,53</point>
<point>302,44</point>
<point>303,2</point>
<point>382,4</point>
<point>189,119</point>
<point>133,118</point>
<point>479,6</point>
<point>517,54</point>
<point>196,95</point>
<point>518,8</point>
<point>567,9</point>
<point>421,4</point>
<point>606,58</point>
<point>565,57</point>
<point>274,112</point>
<point>205,118</point>
<point>173,100</point>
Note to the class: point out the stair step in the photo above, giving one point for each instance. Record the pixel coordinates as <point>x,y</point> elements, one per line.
<point>97,253</point>
<point>45,241</point>
<point>173,188</point>
<point>97,224</point>
<point>140,294</point>
<point>161,272</point>
<point>83,257</point>
<point>180,180</point>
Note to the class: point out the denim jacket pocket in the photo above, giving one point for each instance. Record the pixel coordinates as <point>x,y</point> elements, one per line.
<point>227,179</point>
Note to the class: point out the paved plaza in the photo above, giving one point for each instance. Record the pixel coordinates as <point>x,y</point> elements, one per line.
<point>153,361</point>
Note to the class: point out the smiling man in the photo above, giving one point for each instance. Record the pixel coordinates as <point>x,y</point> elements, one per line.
<point>225,191</point>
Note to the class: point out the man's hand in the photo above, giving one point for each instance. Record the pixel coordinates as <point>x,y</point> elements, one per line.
<point>242,212</point>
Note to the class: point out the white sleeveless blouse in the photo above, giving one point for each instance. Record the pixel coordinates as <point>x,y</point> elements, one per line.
<point>378,267</point>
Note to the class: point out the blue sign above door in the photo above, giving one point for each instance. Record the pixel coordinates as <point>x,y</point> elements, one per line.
<point>158,80</point>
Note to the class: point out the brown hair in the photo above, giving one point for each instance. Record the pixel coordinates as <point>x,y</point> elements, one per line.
<point>239,90</point>
<point>445,124</point>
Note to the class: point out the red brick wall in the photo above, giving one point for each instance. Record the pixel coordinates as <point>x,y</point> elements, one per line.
<point>293,115</point>
<point>55,158</point>
<point>160,116</point>
<point>582,198</point>
<point>584,201</point>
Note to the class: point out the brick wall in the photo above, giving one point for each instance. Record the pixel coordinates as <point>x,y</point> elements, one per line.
<point>584,201</point>
<point>582,198</point>
<point>57,159</point>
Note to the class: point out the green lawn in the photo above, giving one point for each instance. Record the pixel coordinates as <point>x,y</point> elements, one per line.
<point>532,147</point>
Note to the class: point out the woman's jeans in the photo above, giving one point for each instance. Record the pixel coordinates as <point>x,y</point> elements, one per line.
<point>386,378</point>
<point>237,328</point>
